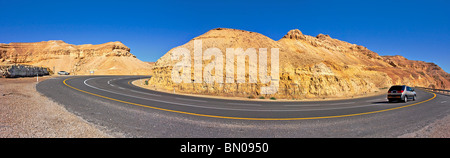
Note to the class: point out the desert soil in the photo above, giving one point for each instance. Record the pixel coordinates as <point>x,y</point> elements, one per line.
<point>25,113</point>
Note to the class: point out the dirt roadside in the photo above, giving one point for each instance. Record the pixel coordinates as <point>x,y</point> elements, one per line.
<point>25,113</point>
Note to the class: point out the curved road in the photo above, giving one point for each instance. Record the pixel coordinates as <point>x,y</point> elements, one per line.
<point>126,110</point>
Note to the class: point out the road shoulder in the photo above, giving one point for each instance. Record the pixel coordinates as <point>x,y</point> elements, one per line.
<point>438,129</point>
<point>26,113</point>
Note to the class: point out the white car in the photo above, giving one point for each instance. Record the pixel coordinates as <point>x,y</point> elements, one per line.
<point>63,73</point>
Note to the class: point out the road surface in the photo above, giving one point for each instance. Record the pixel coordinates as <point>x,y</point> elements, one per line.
<point>115,105</point>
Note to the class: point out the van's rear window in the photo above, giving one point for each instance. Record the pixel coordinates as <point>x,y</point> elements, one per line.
<point>396,88</point>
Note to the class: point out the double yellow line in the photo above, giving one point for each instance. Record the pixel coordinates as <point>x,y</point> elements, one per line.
<point>246,118</point>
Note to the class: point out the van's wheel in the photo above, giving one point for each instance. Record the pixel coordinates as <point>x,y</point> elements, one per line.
<point>414,98</point>
<point>406,99</point>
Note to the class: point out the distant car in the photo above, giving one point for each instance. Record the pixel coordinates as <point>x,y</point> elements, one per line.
<point>63,73</point>
<point>401,93</point>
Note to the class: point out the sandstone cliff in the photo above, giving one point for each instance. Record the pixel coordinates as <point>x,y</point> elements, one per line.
<point>22,71</point>
<point>112,58</point>
<point>310,67</point>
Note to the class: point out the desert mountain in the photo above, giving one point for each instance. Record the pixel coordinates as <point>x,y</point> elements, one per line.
<point>112,58</point>
<point>309,67</point>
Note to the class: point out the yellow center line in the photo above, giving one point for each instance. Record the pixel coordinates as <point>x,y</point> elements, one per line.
<point>246,118</point>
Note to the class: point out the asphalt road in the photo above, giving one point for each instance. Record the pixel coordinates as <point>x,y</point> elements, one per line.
<point>116,106</point>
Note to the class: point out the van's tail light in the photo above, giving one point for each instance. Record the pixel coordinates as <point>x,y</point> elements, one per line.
<point>395,91</point>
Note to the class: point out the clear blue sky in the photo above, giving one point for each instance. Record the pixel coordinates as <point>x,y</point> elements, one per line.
<point>418,30</point>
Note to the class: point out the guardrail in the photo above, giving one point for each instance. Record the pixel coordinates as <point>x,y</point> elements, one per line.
<point>444,91</point>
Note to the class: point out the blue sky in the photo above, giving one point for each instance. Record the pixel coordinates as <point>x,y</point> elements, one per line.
<point>418,30</point>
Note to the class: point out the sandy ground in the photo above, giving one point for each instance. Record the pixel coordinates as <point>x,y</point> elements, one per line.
<point>25,113</point>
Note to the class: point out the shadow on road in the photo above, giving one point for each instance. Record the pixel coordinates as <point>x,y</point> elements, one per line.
<point>381,102</point>
<point>387,102</point>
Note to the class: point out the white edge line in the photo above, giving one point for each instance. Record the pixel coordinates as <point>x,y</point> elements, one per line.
<point>145,93</point>
<point>191,100</point>
<point>299,105</point>
<point>342,103</point>
<point>245,104</point>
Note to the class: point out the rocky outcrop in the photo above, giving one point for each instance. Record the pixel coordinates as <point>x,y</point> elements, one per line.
<point>294,34</point>
<point>104,59</point>
<point>11,71</point>
<point>419,73</point>
<point>310,67</point>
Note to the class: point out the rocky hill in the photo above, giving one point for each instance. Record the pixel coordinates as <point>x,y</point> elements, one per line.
<point>310,67</point>
<point>112,58</point>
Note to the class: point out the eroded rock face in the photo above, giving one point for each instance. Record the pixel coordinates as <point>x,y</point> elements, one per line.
<point>310,67</point>
<point>104,59</point>
<point>10,71</point>
<point>419,73</point>
<point>294,34</point>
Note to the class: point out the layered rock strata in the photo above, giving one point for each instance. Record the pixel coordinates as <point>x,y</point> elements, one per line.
<point>310,67</point>
<point>11,71</point>
<point>112,58</point>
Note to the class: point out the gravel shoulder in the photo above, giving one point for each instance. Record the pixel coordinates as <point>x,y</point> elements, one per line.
<point>25,113</point>
<point>438,129</point>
